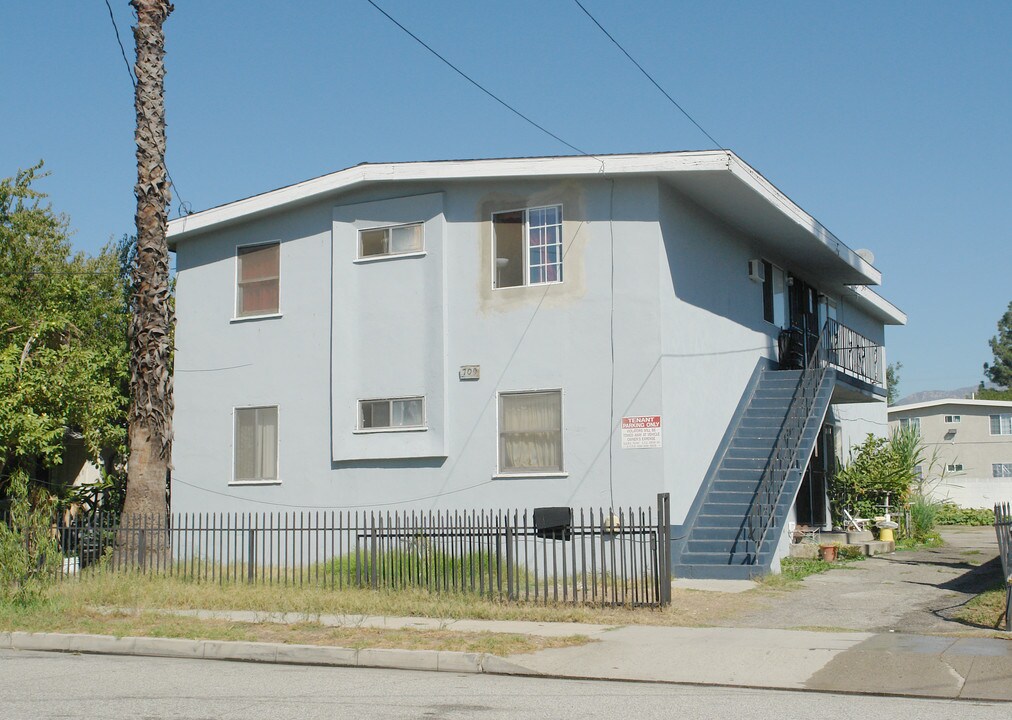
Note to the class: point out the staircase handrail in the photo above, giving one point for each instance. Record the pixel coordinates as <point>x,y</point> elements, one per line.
<point>784,456</point>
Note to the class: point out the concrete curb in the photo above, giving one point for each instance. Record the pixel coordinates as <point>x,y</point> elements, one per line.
<point>431,660</point>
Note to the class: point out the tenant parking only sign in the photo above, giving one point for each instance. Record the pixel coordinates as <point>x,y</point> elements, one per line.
<point>641,431</point>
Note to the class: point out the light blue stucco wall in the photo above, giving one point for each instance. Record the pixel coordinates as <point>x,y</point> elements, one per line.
<point>651,280</point>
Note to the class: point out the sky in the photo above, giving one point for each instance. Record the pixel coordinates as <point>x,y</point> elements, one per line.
<point>887,121</point>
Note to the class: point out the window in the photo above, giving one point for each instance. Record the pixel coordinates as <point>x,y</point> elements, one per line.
<point>256,444</point>
<point>953,419</point>
<point>397,240</point>
<point>1002,470</point>
<point>391,413</point>
<point>1001,424</point>
<point>527,246</point>
<point>910,424</point>
<point>775,295</point>
<point>257,277</point>
<point>954,467</point>
<point>530,432</point>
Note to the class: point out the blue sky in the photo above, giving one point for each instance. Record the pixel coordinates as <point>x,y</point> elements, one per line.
<point>888,121</point>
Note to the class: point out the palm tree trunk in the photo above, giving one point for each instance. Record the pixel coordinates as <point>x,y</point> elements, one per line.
<point>150,431</point>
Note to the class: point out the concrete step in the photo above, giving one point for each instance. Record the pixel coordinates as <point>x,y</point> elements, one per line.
<point>716,572</point>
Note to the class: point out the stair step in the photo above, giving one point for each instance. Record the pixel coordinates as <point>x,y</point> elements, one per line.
<point>713,533</point>
<point>713,558</point>
<point>718,521</point>
<point>720,572</point>
<point>731,496</point>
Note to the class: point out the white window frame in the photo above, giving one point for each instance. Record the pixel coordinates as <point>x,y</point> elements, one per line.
<point>953,419</point>
<point>277,450</point>
<point>785,304</point>
<point>236,317</point>
<point>914,422</point>
<point>1001,470</point>
<point>359,430</point>
<point>527,247</point>
<point>360,258</point>
<point>500,473</point>
<point>1004,423</point>
<point>954,467</point>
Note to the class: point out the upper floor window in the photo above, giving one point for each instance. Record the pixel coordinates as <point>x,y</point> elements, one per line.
<point>1002,470</point>
<point>258,274</point>
<point>530,432</point>
<point>256,444</point>
<point>391,413</point>
<point>527,246</point>
<point>394,240</point>
<point>1001,424</point>
<point>911,424</point>
<point>953,419</point>
<point>775,307</point>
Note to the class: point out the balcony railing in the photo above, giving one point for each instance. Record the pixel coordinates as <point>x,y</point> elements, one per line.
<point>851,352</point>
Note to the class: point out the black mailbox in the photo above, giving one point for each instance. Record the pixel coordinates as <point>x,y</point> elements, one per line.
<point>553,523</point>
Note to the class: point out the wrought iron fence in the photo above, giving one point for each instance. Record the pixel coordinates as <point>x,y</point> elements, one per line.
<point>597,557</point>
<point>851,352</point>
<point>1003,529</point>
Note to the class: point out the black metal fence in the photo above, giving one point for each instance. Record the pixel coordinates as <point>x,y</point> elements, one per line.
<point>1003,529</point>
<point>592,556</point>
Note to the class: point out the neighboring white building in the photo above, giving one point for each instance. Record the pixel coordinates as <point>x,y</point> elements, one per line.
<point>973,441</point>
<point>577,331</point>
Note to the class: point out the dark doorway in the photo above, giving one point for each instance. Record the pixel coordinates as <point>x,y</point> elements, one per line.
<point>810,506</point>
<point>804,320</point>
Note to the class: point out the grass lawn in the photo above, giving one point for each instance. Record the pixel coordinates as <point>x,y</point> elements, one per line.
<point>986,610</point>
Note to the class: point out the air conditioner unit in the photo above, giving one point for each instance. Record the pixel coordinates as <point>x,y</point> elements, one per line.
<point>756,271</point>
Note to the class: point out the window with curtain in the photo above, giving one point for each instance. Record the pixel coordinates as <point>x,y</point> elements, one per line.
<point>256,444</point>
<point>530,432</point>
<point>257,278</point>
<point>1001,424</point>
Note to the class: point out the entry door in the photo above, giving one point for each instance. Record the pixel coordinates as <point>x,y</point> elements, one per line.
<point>804,309</point>
<point>810,506</point>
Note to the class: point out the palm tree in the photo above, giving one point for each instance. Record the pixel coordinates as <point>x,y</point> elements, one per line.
<point>150,418</point>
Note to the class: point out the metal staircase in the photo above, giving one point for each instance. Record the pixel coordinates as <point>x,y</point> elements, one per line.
<point>735,525</point>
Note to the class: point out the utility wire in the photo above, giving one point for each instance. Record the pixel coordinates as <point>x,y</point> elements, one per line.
<point>647,75</point>
<point>475,82</point>
<point>184,207</point>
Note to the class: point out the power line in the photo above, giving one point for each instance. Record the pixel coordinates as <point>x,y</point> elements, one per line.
<point>647,75</point>
<point>184,207</point>
<point>475,82</point>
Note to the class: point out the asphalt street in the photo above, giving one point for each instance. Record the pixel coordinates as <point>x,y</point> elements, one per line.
<point>37,685</point>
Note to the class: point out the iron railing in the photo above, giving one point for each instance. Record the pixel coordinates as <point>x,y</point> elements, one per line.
<point>785,455</point>
<point>1003,529</point>
<point>851,352</point>
<point>602,558</point>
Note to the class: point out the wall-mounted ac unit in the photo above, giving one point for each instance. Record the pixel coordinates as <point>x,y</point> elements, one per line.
<point>756,271</point>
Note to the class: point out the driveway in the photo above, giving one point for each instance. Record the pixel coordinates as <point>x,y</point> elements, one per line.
<point>915,591</point>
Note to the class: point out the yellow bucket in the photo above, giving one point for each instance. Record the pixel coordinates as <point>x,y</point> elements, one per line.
<point>885,534</point>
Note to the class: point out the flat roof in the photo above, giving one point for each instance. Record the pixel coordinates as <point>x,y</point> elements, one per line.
<point>1004,404</point>
<point>718,180</point>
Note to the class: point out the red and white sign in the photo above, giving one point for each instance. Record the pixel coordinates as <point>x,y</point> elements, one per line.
<point>641,431</point>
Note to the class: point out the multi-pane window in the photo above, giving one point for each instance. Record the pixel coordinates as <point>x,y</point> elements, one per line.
<point>954,467</point>
<point>910,424</point>
<point>391,413</point>
<point>953,419</point>
<point>775,308</point>
<point>528,246</point>
<point>396,240</point>
<point>1001,424</point>
<point>530,432</point>
<point>256,444</point>
<point>1001,470</point>
<point>257,280</point>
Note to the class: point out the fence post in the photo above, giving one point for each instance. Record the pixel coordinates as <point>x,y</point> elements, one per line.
<point>664,547</point>
<point>509,558</point>
<point>251,556</point>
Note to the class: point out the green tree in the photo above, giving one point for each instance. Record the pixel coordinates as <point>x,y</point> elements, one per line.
<point>893,382</point>
<point>1000,370</point>
<point>63,322</point>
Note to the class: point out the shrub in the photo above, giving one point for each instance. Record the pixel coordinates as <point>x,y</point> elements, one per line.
<point>923,515</point>
<point>877,468</point>
<point>952,514</point>
<point>29,555</point>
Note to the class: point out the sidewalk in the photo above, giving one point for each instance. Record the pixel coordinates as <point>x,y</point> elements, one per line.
<point>847,662</point>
